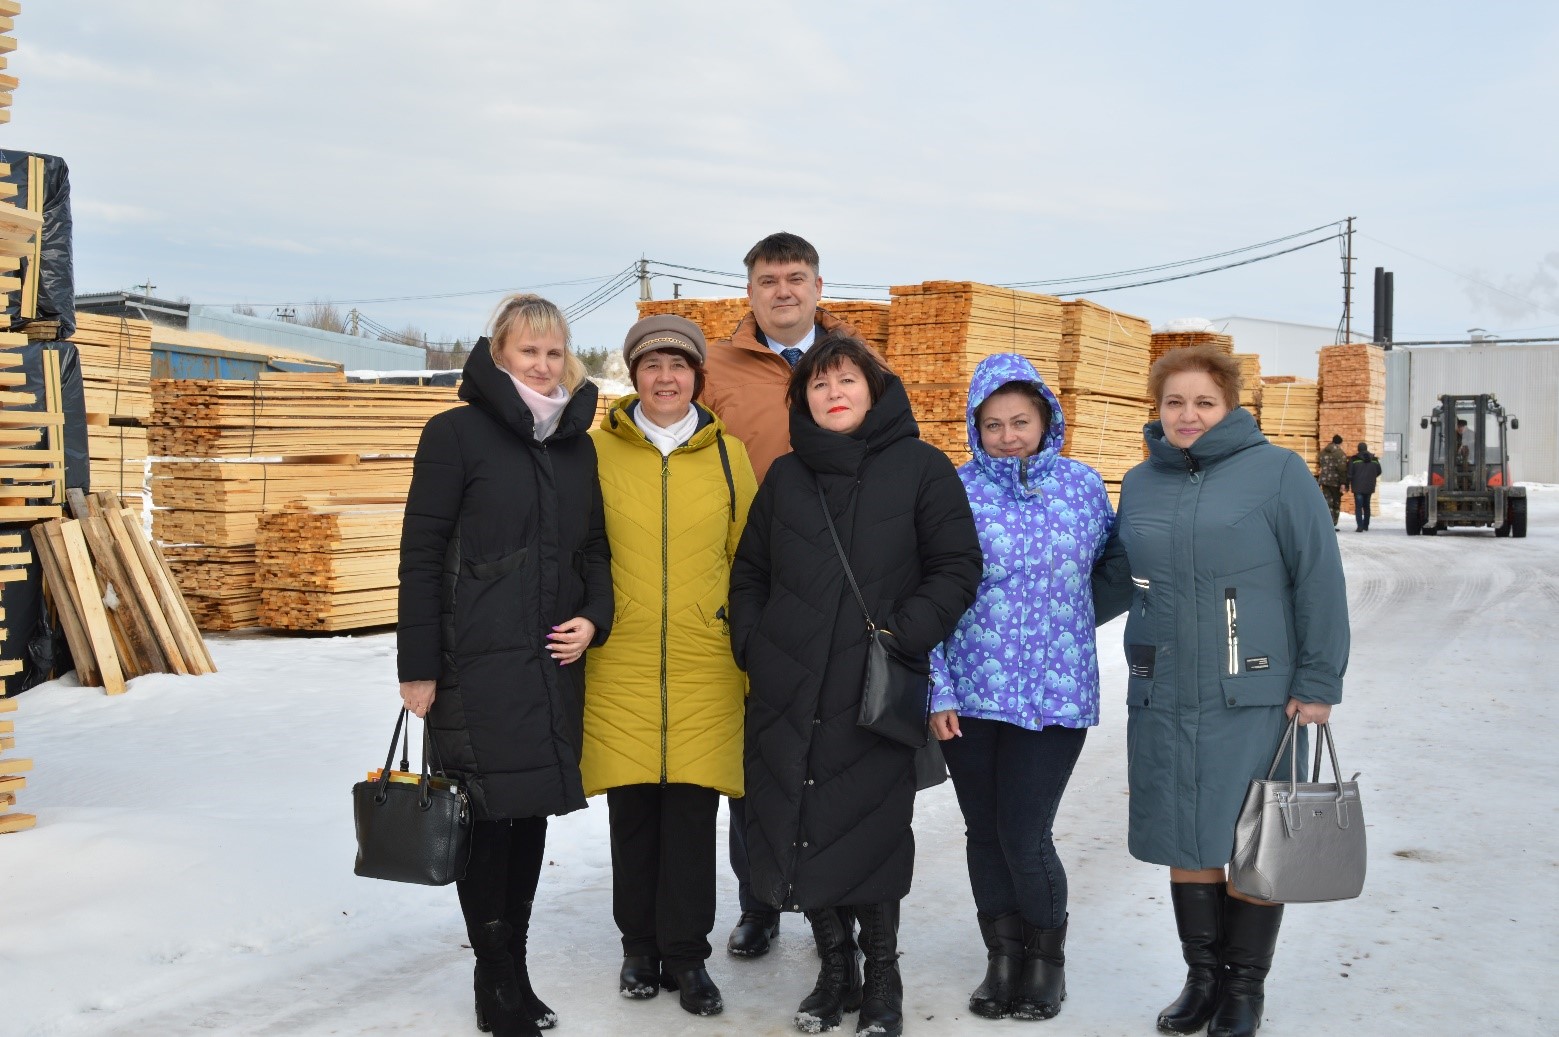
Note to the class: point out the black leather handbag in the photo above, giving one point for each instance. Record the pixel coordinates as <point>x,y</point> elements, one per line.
<point>412,832</point>
<point>896,692</point>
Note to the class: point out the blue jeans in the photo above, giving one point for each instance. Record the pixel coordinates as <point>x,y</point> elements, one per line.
<point>1361,509</point>
<point>1009,782</point>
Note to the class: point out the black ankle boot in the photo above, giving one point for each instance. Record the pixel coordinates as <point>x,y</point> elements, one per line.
<point>641,977</point>
<point>1250,935</point>
<point>1199,918</point>
<point>838,988</point>
<point>697,992</point>
<point>1042,984</point>
<point>753,932</point>
<point>531,1006</point>
<point>882,991</point>
<point>1003,936</point>
<point>498,1001</point>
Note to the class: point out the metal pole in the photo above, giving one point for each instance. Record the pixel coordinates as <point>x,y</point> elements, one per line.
<point>1347,288</point>
<point>644,280</point>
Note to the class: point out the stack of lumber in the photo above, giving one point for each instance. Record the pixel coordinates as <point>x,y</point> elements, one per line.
<point>1104,388</point>
<point>1353,399</point>
<point>1250,383</point>
<point>603,403</point>
<point>116,368</point>
<point>9,9</point>
<point>118,604</point>
<point>330,563</point>
<point>12,770</point>
<point>290,414</point>
<point>717,318</point>
<point>32,453</point>
<point>212,510</point>
<point>1290,412</point>
<point>939,331</point>
<point>1164,341</point>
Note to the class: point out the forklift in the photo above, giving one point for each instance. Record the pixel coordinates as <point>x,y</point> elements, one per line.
<point>1469,471</point>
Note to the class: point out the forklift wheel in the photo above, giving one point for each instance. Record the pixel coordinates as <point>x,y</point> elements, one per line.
<point>1517,516</point>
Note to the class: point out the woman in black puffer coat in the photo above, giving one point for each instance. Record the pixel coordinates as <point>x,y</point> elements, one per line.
<point>829,804</point>
<point>505,581</point>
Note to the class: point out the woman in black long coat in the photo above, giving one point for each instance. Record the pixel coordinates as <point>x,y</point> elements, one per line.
<point>505,581</point>
<point>829,804</point>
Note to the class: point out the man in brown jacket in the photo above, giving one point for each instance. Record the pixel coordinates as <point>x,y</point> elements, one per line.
<point>746,377</point>
<point>747,374</point>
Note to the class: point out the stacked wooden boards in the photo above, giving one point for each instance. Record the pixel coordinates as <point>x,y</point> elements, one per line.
<point>117,602</point>
<point>939,331</point>
<point>12,773</point>
<point>1104,388</point>
<point>9,9</point>
<point>1290,411</point>
<point>211,511</point>
<point>1353,399</point>
<point>1250,383</point>
<point>116,369</point>
<point>1164,341</point>
<point>330,563</point>
<point>717,318</point>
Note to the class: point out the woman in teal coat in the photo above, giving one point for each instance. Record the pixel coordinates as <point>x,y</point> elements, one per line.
<point>1238,620</point>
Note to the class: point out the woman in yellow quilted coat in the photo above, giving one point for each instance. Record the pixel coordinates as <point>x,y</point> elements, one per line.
<point>664,700</point>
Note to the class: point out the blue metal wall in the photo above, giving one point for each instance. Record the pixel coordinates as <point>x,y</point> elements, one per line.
<point>352,353</point>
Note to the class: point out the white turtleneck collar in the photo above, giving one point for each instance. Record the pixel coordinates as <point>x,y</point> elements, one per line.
<point>672,436</point>
<point>545,411</point>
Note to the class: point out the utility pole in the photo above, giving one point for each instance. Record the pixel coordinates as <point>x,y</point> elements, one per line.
<point>145,289</point>
<point>1347,287</point>
<point>644,280</point>
<point>351,319</point>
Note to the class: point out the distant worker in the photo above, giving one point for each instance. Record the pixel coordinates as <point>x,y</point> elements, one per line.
<point>1461,460</point>
<point>747,378</point>
<point>1363,473</point>
<point>1333,464</point>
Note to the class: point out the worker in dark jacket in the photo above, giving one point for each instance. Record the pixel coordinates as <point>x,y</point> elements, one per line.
<point>1238,621</point>
<point>1363,474</point>
<point>505,580</point>
<point>829,804</point>
<point>1333,473</point>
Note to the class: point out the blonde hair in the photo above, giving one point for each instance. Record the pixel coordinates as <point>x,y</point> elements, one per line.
<point>1222,368</point>
<point>529,314</point>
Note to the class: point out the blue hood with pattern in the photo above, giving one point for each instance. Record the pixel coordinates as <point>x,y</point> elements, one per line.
<point>1024,653</point>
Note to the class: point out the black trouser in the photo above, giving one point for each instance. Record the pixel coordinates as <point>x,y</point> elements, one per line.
<point>1361,509</point>
<point>663,870</point>
<point>505,866</point>
<point>736,844</point>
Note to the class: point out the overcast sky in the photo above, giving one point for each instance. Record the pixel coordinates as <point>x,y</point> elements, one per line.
<point>279,152</point>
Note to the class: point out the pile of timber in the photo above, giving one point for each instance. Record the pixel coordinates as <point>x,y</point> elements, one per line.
<point>117,602</point>
<point>1290,413</point>
<point>9,9</point>
<point>1104,388</point>
<point>1164,341</point>
<point>209,513</point>
<point>1250,383</point>
<point>12,769</point>
<point>939,331</point>
<point>1353,399</point>
<point>13,566</point>
<point>32,451</point>
<point>290,414</point>
<point>116,371</point>
<point>330,564</point>
<point>717,318</point>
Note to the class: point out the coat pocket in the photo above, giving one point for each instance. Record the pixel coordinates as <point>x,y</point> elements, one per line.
<point>1256,689</point>
<point>498,566</point>
<point>1141,666</point>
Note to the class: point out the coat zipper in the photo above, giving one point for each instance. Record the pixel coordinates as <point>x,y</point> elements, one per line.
<point>665,602</point>
<point>1231,618</point>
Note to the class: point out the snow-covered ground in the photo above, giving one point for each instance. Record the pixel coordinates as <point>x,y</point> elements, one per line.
<point>191,871</point>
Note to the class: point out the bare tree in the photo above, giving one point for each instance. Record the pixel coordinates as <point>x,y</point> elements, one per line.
<point>245,310</point>
<point>326,316</point>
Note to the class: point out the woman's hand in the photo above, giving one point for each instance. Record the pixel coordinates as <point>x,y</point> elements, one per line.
<point>568,641</point>
<point>417,696</point>
<point>944,724</point>
<point>1309,712</point>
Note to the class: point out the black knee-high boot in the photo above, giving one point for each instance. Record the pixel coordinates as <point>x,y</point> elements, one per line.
<point>526,850</point>
<point>499,1006</point>
<point>838,987</point>
<point>1199,918</point>
<point>882,991</point>
<point>1250,935</point>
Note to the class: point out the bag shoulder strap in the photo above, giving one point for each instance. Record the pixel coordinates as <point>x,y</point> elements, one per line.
<point>871,628</point>
<point>725,465</point>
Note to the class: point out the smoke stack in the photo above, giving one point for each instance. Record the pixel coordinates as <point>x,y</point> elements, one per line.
<point>1379,336</point>
<point>1389,321</point>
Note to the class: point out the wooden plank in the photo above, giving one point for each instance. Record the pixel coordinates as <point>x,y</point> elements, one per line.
<point>122,601</point>
<point>15,766</point>
<point>93,616</point>
<point>16,822</point>
<point>135,568</point>
<point>60,591</point>
<point>7,705</point>
<point>197,659</point>
<point>12,784</point>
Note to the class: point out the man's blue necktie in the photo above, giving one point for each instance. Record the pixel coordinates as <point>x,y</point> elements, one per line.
<point>792,355</point>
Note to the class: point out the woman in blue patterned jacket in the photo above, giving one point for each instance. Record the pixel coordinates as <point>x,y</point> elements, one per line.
<point>1016,687</point>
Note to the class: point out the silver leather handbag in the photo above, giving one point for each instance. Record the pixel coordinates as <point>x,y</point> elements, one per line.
<point>1300,842</point>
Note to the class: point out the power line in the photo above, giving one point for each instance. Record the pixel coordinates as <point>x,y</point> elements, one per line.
<point>1199,273</point>
<point>424,298</point>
